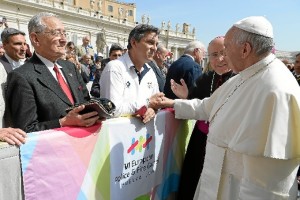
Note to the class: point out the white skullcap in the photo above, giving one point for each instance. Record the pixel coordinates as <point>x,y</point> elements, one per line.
<point>100,54</point>
<point>256,24</point>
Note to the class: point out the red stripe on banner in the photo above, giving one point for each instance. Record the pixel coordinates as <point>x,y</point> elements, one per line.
<point>147,141</point>
<point>80,132</point>
<point>132,146</point>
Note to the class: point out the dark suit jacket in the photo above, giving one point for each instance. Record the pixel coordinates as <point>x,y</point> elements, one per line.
<point>187,69</point>
<point>161,79</point>
<point>8,68</point>
<point>36,100</point>
<point>6,64</point>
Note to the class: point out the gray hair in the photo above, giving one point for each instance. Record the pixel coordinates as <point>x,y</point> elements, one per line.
<point>192,46</point>
<point>139,32</point>
<point>8,32</point>
<point>35,24</point>
<point>161,48</point>
<point>259,43</point>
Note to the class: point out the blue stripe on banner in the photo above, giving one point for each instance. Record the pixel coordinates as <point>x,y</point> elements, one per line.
<point>26,153</point>
<point>171,184</point>
<point>81,196</point>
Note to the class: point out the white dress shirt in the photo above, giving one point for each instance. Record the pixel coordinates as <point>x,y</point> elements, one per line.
<point>50,66</point>
<point>14,64</point>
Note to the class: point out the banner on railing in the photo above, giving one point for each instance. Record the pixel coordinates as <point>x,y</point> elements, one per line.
<point>120,159</point>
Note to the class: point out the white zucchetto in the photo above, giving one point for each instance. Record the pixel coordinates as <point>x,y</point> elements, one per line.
<point>256,24</point>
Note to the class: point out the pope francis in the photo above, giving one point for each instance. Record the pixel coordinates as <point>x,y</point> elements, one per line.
<point>253,149</point>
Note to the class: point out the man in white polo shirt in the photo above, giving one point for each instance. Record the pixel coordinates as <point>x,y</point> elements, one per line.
<point>129,81</point>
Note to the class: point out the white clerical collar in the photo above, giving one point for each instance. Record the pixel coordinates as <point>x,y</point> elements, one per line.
<point>14,64</point>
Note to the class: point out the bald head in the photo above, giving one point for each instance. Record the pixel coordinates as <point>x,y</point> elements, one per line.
<point>216,55</point>
<point>218,41</point>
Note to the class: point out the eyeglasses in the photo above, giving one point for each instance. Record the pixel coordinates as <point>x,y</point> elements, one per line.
<point>55,32</point>
<point>216,55</point>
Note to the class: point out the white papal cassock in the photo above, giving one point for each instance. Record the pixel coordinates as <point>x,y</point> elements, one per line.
<point>253,145</point>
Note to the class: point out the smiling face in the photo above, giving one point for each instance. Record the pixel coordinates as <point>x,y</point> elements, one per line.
<point>52,41</point>
<point>216,52</point>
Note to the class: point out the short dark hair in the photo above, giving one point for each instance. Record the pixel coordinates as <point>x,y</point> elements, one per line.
<point>70,43</point>
<point>115,47</point>
<point>139,32</point>
<point>8,32</point>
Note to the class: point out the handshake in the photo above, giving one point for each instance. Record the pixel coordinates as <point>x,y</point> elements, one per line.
<point>159,100</point>
<point>155,102</point>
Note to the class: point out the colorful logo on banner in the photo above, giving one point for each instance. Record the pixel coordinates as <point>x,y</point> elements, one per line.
<point>140,144</point>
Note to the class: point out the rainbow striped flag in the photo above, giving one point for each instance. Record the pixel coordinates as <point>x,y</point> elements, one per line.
<point>119,159</point>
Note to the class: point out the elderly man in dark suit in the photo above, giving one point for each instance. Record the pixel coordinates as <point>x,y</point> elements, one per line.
<point>157,65</point>
<point>40,91</point>
<point>186,67</point>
